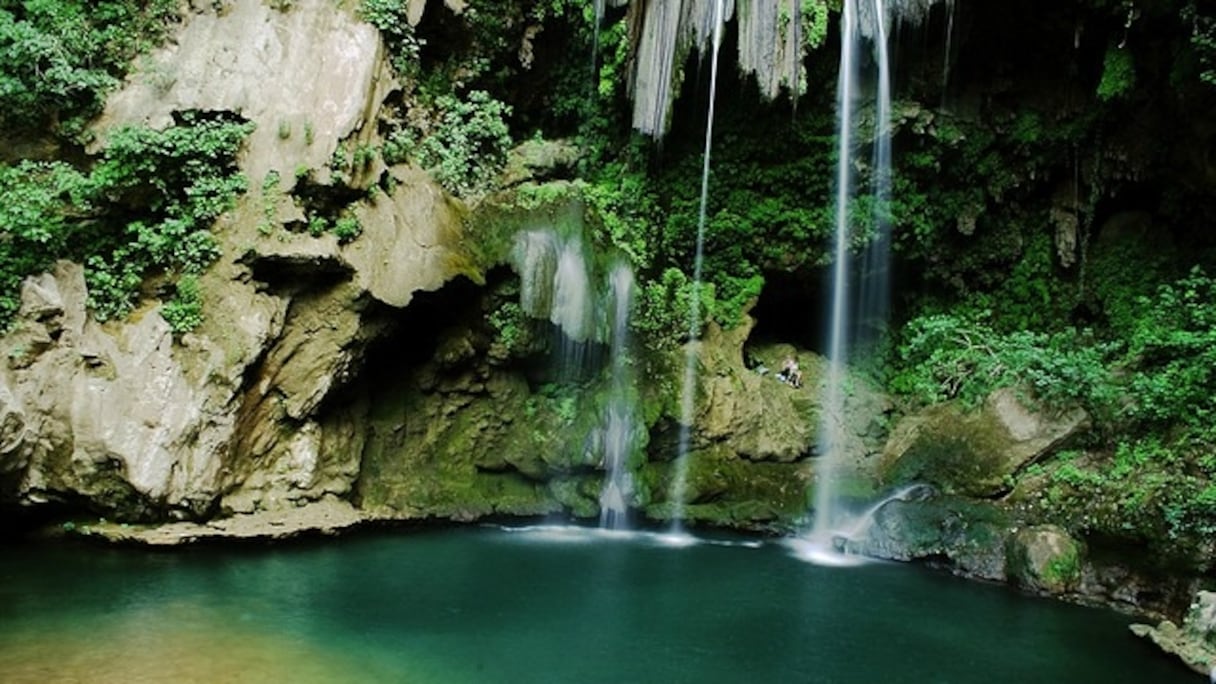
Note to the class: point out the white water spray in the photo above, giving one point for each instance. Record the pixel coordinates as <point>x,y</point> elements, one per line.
<point>833,547</point>
<point>692,349</point>
<point>874,280</point>
<point>555,285</point>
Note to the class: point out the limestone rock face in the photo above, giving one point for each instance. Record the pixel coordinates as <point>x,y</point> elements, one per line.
<point>308,75</point>
<point>1044,559</point>
<point>111,413</point>
<point>233,417</point>
<point>974,453</point>
<point>754,415</point>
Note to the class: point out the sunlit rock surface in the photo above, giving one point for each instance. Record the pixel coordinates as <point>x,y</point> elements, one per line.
<point>308,75</point>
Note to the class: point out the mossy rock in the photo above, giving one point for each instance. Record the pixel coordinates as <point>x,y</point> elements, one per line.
<point>724,490</point>
<point>975,453</point>
<point>1044,559</point>
<point>969,535</point>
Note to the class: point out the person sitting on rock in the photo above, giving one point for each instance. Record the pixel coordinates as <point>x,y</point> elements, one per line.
<point>790,372</point>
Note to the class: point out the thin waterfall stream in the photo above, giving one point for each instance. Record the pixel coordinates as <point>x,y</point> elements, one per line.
<point>679,484</point>
<point>865,314</point>
<point>620,416</point>
<point>832,428</point>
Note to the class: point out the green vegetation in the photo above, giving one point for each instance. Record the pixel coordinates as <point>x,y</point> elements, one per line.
<point>58,58</point>
<point>1118,74</point>
<point>145,207</point>
<point>944,357</point>
<point>468,146</point>
<point>185,311</point>
<point>389,16</point>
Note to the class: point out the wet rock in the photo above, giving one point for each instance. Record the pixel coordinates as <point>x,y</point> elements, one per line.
<point>967,537</point>
<point>1195,641</point>
<point>540,160</point>
<point>327,516</point>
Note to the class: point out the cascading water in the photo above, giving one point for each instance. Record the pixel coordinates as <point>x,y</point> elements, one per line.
<point>874,282</point>
<point>688,396</point>
<point>619,420</point>
<point>870,309</point>
<point>555,285</point>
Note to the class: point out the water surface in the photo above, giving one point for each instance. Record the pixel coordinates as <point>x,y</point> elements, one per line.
<point>534,605</point>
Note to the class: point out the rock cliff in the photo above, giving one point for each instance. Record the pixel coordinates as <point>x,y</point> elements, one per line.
<point>127,420</point>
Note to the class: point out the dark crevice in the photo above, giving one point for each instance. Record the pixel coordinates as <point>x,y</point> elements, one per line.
<point>793,309</point>
<point>413,334</point>
<point>293,274</point>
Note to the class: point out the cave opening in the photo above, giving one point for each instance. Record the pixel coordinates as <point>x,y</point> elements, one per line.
<point>414,334</point>
<point>792,309</point>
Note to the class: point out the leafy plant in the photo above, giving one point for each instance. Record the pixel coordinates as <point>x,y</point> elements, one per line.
<point>945,357</point>
<point>347,228</point>
<point>468,146</point>
<point>185,311</point>
<point>1118,74</point>
<point>146,205</point>
<point>391,18</point>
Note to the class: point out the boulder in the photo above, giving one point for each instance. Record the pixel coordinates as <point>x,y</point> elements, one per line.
<point>1044,559</point>
<point>967,536</point>
<point>115,414</point>
<point>975,453</point>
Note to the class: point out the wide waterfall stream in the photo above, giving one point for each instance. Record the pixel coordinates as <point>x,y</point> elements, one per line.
<point>530,606</point>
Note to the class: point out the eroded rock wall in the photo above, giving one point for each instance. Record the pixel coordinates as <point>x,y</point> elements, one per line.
<point>124,419</point>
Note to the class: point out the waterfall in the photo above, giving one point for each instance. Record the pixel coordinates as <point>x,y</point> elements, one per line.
<point>840,548</point>
<point>619,421</point>
<point>555,285</point>
<point>865,315</point>
<point>874,294</point>
<point>831,435</point>
<point>595,41</point>
<point>689,389</point>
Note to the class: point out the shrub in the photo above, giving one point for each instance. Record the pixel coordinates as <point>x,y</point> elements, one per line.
<point>58,58</point>
<point>185,311</point>
<point>469,145</point>
<point>945,357</point>
<point>147,204</point>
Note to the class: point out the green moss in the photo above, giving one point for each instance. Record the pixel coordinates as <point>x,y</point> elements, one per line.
<point>724,490</point>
